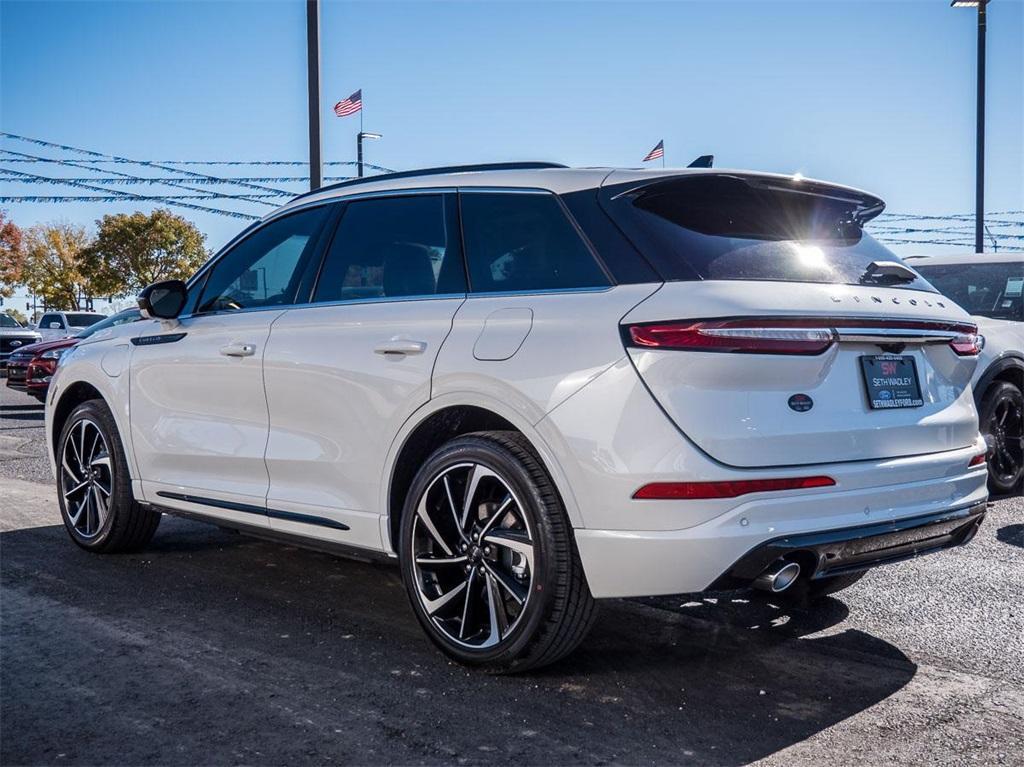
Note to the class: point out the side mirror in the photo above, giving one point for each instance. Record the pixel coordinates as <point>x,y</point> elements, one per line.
<point>163,300</point>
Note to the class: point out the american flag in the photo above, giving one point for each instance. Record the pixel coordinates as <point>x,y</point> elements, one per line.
<point>351,105</point>
<point>654,154</point>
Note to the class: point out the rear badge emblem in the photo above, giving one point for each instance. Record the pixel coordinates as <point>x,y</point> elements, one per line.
<point>801,403</point>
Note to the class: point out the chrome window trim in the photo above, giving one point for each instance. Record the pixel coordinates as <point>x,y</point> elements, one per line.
<point>541,292</point>
<point>505,190</point>
<point>380,300</point>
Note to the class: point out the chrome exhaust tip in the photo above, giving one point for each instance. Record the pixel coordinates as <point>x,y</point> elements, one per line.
<point>778,577</point>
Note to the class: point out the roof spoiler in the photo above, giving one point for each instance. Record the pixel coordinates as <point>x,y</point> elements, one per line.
<point>704,161</point>
<point>862,206</point>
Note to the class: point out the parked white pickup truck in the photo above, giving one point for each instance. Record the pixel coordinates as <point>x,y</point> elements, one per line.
<point>54,325</point>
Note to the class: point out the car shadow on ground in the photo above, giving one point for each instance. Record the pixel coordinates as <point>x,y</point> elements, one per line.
<point>15,415</point>
<point>1011,534</point>
<point>215,647</point>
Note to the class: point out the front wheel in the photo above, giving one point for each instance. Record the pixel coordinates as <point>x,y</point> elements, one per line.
<point>93,487</point>
<point>1002,423</point>
<point>488,558</point>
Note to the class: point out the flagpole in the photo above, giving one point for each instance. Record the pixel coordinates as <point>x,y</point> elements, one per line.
<point>663,153</point>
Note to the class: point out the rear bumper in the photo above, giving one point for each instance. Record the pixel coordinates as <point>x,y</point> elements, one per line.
<point>850,550</point>
<point>849,529</point>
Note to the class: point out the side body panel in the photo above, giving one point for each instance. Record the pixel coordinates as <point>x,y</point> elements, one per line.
<point>199,414</point>
<point>336,397</point>
<point>571,337</point>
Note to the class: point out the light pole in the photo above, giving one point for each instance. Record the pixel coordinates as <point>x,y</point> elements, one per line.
<point>979,177</point>
<point>359,148</point>
<point>313,81</point>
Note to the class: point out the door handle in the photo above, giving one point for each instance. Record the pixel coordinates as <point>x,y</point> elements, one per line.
<point>238,350</point>
<point>401,347</point>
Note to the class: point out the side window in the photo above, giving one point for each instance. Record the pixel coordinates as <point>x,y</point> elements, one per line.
<point>47,319</point>
<point>264,269</point>
<point>523,241</point>
<point>393,247</point>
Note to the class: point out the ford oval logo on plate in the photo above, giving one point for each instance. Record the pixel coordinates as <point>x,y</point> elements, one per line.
<point>801,403</point>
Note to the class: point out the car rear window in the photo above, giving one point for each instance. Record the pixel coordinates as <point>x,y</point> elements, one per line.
<point>77,320</point>
<point>730,227</point>
<point>987,290</point>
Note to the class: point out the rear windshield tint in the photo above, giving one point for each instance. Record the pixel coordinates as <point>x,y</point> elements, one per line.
<point>76,320</point>
<point>724,227</point>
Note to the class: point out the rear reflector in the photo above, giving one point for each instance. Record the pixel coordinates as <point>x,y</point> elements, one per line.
<point>978,460</point>
<point>706,490</point>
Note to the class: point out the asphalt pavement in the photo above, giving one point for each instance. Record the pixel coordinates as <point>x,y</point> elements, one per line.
<point>214,648</point>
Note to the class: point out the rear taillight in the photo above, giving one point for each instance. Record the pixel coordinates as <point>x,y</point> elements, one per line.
<point>978,460</point>
<point>800,335</point>
<point>692,491</point>
<point>967,344</point>
<point>738,336</point>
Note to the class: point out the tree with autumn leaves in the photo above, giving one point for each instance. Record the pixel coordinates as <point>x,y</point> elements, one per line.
<point>60,263</point>
<point>12,255</point>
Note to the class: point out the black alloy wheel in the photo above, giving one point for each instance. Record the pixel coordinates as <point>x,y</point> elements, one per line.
<point>488,557</point>
<point>1002,425</point>
<point>93,487</point>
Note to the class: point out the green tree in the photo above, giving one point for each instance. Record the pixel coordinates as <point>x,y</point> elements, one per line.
<point>56,264</point>
<point>12,256</point>
<point>132,250</point>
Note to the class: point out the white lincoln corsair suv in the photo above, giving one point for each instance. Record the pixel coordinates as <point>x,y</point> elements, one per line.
<point>537,386</point>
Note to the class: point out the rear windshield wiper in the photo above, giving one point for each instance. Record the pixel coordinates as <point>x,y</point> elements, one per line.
<point>887,273</point>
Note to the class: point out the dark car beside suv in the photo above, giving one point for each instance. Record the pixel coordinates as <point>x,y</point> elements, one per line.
<point>30,368</point>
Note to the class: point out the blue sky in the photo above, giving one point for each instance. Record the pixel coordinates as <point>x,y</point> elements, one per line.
<point>873,94</point>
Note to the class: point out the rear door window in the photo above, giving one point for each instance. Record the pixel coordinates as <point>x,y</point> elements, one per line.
<point>394,247</point>
<point>731,227</point>
<point>523,241</point>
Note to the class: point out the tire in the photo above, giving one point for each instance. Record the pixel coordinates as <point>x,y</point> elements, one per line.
<point>95,495</point>
<point>805,593</point>
<point>1001,417</point>
<point>523,601</point>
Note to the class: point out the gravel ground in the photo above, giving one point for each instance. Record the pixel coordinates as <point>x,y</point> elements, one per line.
<point>211,647</point>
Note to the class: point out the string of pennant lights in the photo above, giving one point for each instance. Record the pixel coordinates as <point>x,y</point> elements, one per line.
<point>1005,229</point>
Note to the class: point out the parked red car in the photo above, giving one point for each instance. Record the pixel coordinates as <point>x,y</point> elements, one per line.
<point>31,367</point>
